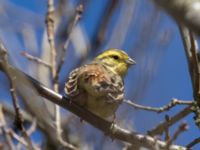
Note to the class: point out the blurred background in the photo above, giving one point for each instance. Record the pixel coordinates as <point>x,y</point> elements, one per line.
<point>139,27</point>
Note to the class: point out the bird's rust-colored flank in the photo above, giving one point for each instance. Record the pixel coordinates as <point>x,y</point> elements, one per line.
<point>98,86</point>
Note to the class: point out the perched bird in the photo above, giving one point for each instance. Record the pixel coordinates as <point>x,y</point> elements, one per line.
<point>98,86</point>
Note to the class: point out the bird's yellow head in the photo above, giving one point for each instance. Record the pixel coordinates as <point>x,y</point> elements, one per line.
<point>117,60</point>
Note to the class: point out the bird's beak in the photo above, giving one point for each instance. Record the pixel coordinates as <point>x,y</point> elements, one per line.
<point>130,61</point>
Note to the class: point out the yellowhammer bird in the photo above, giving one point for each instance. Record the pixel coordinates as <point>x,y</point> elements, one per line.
<point>98,86</point>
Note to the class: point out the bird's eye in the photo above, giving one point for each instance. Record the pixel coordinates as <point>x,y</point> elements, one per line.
<point>115,57</point>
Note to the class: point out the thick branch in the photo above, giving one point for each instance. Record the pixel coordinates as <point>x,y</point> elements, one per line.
<point>108,128</point>
<point>191,51</point>
<point>183,11</point>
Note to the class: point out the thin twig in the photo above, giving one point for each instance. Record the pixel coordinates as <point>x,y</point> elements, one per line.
<point>18,118</point>
<point>172,103</point>
<point>29,132</point>
<point>79,11</point>
<point>4,66</point>
<point>4,130</point>
<point>35,59</point>
<point>32,127</point>
<point>183,127</point>
<point>10,112</point>
<point>11,77</point>
<point>17,137</point>
<point>158,130</point>
<point>193,143</point>
<point>167,136</point>
<point>50,34</point>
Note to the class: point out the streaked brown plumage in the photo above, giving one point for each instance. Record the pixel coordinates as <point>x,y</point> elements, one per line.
<point>97,86</point>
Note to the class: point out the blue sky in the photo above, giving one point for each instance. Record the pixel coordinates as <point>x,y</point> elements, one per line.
<point>161,72</point>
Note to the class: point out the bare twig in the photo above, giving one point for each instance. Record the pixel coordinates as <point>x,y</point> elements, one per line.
<point>33,127</point>
<point>79,11</point>
<point>17,137</point>
<point>50,34</point>
<point>172,103</point>
<point>183,127</point>
<point>35,59</point>
<point>10,112</point>
<point>167,136</point>
<point>20,139</point>
<point>6,67</point>
<point>18,118</point>
<point>29,132</point>
<point>158,130</point>
<point>4,130</point>
<point>193,143</point>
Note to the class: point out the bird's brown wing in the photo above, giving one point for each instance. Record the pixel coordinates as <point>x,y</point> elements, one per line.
<point>96,80</point>
<point>71,87</point>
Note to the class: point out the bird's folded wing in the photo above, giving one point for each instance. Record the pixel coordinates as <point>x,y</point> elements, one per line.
<point>96,80</point>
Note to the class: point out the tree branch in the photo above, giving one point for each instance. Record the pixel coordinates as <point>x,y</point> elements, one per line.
<point>191,51</point>
<point>35,59</point>
<point>193,143</point>
<point>183,11</point>
<point>158,130</point>
<point>183,127</point>
<point>4,130</point>
<point>110,129</point>
<point>18,116</point>
<point>173,103</point>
